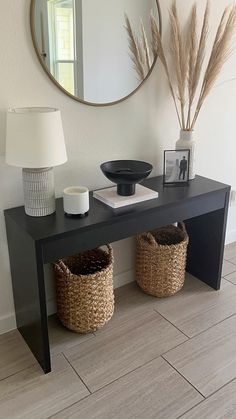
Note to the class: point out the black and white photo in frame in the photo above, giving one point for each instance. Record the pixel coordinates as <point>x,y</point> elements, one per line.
<point>176,166</point>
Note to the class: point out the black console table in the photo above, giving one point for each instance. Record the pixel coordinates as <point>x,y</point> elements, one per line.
<point>33,242</point>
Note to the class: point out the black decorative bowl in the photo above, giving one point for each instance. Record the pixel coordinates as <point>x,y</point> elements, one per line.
<point>126,173</point>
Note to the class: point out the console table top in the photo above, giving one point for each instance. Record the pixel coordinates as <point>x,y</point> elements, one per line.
<point>58,224</point>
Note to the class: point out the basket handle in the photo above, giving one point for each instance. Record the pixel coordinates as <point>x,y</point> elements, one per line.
<point>182,227</point>
<point>110,253</point>
<point>61,268</point>
<point>149,238</point>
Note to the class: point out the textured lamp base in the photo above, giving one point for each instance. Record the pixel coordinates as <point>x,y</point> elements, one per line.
<point>39,192</point>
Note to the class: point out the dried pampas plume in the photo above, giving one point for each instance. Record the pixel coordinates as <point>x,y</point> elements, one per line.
<point>145,46</point>
<point>141,53</point>
<point>158,49</point>
<point>134,47</point>
<point>178,51</point>
<point>219,55</point>
<point>188,58</point>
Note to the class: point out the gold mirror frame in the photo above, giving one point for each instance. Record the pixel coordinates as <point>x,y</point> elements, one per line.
<point>33,34</point>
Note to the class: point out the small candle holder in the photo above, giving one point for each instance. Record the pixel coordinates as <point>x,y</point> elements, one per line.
<point>76,201</point>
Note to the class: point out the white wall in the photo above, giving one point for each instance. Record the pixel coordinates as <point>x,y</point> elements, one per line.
<point>108,69</point>
<point>141,127</point>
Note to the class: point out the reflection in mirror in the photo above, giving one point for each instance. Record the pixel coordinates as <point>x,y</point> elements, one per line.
<point>142,53</point>
<point>84,45</point>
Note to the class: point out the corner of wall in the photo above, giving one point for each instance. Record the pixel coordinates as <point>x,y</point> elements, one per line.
<point>7,323</point>
<point>230,236</point>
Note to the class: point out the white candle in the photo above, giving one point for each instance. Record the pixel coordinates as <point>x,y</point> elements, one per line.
<point>76,200</point>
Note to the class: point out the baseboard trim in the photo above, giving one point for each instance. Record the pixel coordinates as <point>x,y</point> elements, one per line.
<point>7,323</point>
<point>230,237</point>
<point>124,278</point>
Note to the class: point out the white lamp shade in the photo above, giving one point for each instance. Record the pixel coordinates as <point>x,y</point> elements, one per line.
<point>35,138</point>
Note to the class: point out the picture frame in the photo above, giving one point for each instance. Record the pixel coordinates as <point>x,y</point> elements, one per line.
<point>176,167</point>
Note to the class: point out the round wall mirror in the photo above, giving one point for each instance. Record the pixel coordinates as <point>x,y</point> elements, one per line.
<point>87,47</point>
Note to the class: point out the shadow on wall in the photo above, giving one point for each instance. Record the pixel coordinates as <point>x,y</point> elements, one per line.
<point>2,131</point>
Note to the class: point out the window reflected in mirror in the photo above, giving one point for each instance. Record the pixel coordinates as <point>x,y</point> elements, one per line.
<point>84,45</point>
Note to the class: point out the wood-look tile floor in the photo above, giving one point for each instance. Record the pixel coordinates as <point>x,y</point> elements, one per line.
<point>157,358</point>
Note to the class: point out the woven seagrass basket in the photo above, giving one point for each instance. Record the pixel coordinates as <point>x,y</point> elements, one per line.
<point>84,287</point>
<point>161,260</point>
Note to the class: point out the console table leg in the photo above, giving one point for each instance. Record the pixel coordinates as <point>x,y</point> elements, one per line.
<point>29,292</point>
<point>206,245</point>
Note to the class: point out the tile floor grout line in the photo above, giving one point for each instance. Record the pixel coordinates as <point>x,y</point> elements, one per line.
<point>139,366</point>
<point>153,359</point>
<point>21,370</point>
<point>71,346</point>
<point>228,280</point>
<point>76,373</point>
<point>143,365</point>
<point>119,378</point>
<point>204,398</point>
<point>208,397</point>
<point>220,388</point>
<point>191,408</point>
<point>36,363</point>
<point>230,261</point>
<point>160,355</point>
<point>106,385</point>
<point>68,407</point>
<point>176,327</point>
<point>124,375</point>
<point>179,417</point>
<point>129,372</point>
<point>198,334</point>
<point>214,325</point>
<point>177,346</point>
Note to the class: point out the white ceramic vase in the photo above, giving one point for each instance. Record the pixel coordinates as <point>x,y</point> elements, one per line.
<point>186,141</point>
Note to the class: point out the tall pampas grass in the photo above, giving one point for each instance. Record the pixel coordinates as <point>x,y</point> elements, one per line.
<point>219,55</point>
<point>188,53</point>
<point>197,55</point>
<point>158,48</point>
<point>178,50</point>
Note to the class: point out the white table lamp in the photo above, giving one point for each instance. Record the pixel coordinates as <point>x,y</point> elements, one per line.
<point>35,142</point>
